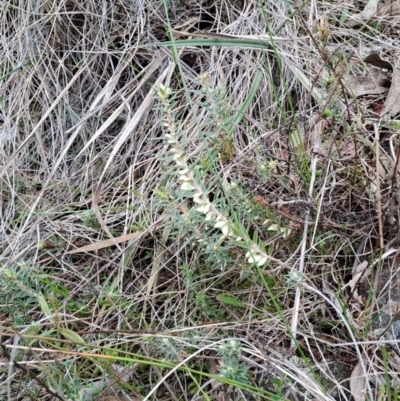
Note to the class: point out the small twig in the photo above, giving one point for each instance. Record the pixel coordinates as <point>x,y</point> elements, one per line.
<point>395,184</point>
<point>296,306</point>
<point>29,373</point>
<point>356,344</point>
<point>380,223</point>
<point>159,375</point>
<point>378,187</point>
<point>394,175</point>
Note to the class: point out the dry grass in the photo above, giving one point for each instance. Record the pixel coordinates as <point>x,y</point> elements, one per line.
<point>112,283</point>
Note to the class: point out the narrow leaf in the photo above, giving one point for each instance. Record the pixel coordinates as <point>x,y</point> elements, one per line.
<point>226,42</point>
<point>228,300</point>
<point>248,101</point>
<point>71,335</point>
<point>44,306</point>
<point>106,243</point>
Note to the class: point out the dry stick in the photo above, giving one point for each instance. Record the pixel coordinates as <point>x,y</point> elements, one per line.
<point>179,365</point>
<point>311,288</point>
<point>42,120</point>
<point>296,306</point>
<point>380,223</point>
<point>160,376</point>
<point>76,130</point>
<point>395,184</point>
<point>57,163</point>
<point>126,132</point>
<point>71,140</point>
<point>30,374</point>
<point>378,187</point>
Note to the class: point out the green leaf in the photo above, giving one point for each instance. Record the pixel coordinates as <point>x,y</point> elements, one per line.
<point>71,335</point>
<point>228,300</point>
<point>288,3</point>
<point>225,42</point>
<point>248,101</point>
<point>45,308</point>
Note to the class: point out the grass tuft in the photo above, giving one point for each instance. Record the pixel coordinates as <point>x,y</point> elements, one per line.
<point>195,203</point>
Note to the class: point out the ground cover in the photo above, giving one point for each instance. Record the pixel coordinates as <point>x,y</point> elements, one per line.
<point>200,200</point>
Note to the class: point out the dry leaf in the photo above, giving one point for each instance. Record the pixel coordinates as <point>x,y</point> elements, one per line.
<point>392,103</point>
<point>389,9</point>
<point>335,300</point>
<point>369,11</point>
<point>361,86</point>
<point>106,243</point>
<point>372,11</point>
<point>358,275</point>
<point>316,126</point>
<point>394,361</point>
<point>358,383</point>
<point>348,148</point>
<point>376,60</point>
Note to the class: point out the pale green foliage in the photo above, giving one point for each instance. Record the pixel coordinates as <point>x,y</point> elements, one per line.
<point>194,185</point>
<point>230,367</point>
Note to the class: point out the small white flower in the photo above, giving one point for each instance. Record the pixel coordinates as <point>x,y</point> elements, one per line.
<point>253,258</point>
<point>272,164</point>
<point>220,217</point>
<point>185,178</point>
<point>198,198</point>
<point>177,155</point>
<point>204,208</point>
<point>184,171</point>
<point>187,186</point>
<point>163,91</point>
<point>220,224</point>
<point>209,216</point>
<point>262,261</point>
<point>274,227</point>
<point>225,230</point>
<point>223,226</point>
<point>256,258</point>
